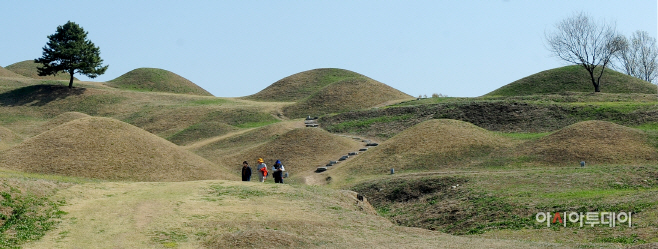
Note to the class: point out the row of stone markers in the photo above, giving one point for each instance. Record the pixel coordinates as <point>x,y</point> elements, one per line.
<point>367,143</point>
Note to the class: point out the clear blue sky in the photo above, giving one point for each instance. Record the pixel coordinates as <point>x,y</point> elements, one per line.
<point>236,48</point>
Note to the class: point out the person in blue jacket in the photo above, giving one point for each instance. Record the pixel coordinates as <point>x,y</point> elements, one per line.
<point>277,171</point>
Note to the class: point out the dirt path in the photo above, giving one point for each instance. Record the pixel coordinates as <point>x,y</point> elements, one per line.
<point>208,141</point>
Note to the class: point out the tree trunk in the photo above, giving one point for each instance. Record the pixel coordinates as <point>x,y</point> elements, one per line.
<point>71,81</point>
<point>597,86</point>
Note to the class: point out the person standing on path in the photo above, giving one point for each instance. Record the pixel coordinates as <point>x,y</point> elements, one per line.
<point>262,170</point>
<point>277,172</point>
<point>246,172</point>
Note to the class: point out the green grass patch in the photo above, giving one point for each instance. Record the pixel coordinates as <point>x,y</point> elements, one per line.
<point>627,240</point>
<point>524,135</point>
<point>242,192</point>
<point>358,125</point>
<point>25,217</point>
<point>215,101</point>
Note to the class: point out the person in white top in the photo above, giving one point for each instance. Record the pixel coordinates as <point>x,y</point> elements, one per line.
<point>262,170</point>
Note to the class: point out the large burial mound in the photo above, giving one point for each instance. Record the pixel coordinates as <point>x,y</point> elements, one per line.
<point>328,90</point>
<point>302,85</point>
<point>573,79</point>
<point>301,150</point>
<point>156,80</point>
<point>430,145</point>
<point>8,73</point>
<point>28,68</point>
<point>62,119</point>
<point>593,142</point>
<point>105,148</point>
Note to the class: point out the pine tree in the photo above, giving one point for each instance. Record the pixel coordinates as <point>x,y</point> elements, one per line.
<point>69,51</point>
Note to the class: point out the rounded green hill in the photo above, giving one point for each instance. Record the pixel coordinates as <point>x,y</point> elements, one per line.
<point>28,68</point>
<point>156,80</point>
<point>328,90</point>
<point>302,85</point>
<point>573,79</point>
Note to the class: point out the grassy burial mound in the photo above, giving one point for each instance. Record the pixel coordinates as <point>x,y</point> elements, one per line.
<point>573,79</point>
<point>62,119</point>
<point>594,142</point>
<point>430,145</point>
<point>156,80</point>
<point>302,85</point>
<point>301,150</point>
<point>345,95</point>
<point>28,69</point>
<point>8,73</point>
<point>105,148</point>
<point>328,90</point>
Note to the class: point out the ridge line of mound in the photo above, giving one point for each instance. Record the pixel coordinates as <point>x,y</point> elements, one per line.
<point>430,145</point>
<point>28,68</point>
<point>105,148</point>
<point>594,142</point>
<point>573,78</point>
<point>156,80</point>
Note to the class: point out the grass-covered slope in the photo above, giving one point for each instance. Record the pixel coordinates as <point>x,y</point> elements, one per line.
<point>328,90</point>
<point>156,80</point>
<point>595,142</point>
<point>573,79</point>
<point>61,119</point>
<point>429,146</point>
<point>8,73</point>
<point>301,150</point>
<point>232,214</point>
<point>215,149</point>
<point>7,138</point>
<point>105,148</point>
<point>302,85</point>
<point>28,68</point>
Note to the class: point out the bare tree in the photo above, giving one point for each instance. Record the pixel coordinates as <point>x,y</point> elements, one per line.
<point>639,57</point>
<point>579,40</point>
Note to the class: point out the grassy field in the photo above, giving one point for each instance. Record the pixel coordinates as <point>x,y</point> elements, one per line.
<point>146,168</point>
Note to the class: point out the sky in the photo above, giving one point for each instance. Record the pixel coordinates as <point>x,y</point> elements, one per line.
<point>463,48</point>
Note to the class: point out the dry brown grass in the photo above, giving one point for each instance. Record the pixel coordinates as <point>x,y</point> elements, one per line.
<point>224,214</point>
<point>431,145</point>
<point>593,142</point>
<point>215,149</point>
<point>301,150</point>
<point>346,95</point>
<point>62,119</point>
<point>28,68</point>
<point>7,138</point>
<point>7,73</point>
<point>105,148</point>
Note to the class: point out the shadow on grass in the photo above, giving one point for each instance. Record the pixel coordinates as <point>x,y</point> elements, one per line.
<point>38,95</point>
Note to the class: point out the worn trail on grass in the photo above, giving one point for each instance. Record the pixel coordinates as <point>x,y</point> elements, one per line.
<point>227,214</point>
<point>208,141</point>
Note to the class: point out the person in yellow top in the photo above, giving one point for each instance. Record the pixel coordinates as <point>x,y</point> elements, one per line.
<point>262,170</point>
